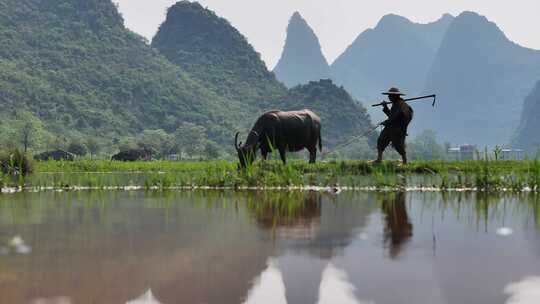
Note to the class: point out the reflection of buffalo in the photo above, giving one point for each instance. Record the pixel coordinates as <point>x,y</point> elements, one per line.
<point>55,155</point>
<point>398,229</point>
<point>308,222</point>
<point>290,215</point>
<point>133,155</point>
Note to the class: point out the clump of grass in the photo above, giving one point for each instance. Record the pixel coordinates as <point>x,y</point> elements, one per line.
<point>16,163</point>
<point>534,175</point>
<point>486,179</point>
<point>517,182</point>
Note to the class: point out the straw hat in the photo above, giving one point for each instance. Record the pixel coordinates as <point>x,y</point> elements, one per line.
<point>394,91</point>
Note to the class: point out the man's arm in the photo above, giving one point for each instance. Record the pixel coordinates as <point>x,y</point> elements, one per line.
<point>386,110</point>
<point>392,116</point>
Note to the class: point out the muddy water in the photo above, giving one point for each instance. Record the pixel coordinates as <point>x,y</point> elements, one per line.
<point>268,247</point>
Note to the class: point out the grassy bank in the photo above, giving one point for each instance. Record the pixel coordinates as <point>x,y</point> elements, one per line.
<point>482,175</point>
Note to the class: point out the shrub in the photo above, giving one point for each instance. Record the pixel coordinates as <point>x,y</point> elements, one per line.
<point>16,163</point>
<point>77,148</point>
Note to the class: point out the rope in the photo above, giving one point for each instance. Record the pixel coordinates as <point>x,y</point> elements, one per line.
<point>350,141</point>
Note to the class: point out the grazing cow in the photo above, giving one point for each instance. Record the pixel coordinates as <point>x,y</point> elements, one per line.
<point>283,131</point>
<point>55,155</point>
<point>133,155</point>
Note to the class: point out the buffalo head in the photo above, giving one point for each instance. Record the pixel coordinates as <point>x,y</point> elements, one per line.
<point>246,154</point>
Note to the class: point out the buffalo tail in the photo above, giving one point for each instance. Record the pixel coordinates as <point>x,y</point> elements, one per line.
<point>320,141</point>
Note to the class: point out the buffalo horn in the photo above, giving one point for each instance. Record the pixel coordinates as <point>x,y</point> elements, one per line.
<point>236,141</point>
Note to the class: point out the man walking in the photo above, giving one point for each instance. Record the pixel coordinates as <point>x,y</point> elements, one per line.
<point>395,127</point>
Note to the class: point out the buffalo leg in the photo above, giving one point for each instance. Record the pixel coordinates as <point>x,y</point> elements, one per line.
<point>283,155</point>
<point>264,155</point>
<point>312,155</point>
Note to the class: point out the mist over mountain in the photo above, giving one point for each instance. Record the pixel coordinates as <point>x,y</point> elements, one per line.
<point>481,79</point>
<point>528,137</point>
<point>302,59</point>
<point>397,52</point>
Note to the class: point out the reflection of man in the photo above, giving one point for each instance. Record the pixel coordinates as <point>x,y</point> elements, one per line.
<point>398,229</point>
<point>395,127</point>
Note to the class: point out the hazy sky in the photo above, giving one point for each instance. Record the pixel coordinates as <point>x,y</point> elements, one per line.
<point>337,22</point>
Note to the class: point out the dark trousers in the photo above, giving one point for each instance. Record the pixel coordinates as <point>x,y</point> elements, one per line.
<point>393,136</point>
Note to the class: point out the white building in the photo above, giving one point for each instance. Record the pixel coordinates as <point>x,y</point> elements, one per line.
<point>512,154</point>
<point>463,152</point>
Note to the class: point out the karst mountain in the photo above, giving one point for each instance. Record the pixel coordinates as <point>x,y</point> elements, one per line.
<point>302,59</point>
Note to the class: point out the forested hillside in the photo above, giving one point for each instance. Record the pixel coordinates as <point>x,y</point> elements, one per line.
<point>74,66</point>
<point>71,74</point>
<point>342,117</point>
<point>216,54</point>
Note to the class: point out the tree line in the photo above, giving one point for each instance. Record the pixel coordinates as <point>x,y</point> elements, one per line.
<point>189,141</point>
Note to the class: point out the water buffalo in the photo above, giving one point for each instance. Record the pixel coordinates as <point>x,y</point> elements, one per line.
<point>283,131</point>
<point>133,155</point>
<point>55,155</point>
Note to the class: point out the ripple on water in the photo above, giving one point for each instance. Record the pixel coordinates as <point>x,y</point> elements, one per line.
<point>505,231</point>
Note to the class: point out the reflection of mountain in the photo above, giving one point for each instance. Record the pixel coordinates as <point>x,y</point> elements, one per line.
<point>113,247</point>
<point>310,229</point>
<point>398,230</point>
<point>269,287</point>
<point>302,276</point>
<point>209,247</point>
<point>524,291</point>
<point>336,288</point>
<point>147,298</point>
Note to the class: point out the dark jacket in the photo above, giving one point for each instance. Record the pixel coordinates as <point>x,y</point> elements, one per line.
<point>399,116</point>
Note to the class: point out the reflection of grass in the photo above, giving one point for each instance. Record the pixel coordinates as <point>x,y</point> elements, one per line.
<point>479,209</point>
<point>485,175</point>
<point>270,209</point>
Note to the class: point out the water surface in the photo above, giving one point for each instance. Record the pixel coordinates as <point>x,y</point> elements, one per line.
<point>269,247</point>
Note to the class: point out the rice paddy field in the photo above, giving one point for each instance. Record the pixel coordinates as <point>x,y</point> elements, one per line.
<point>487,175</point>
<point>331,232</point>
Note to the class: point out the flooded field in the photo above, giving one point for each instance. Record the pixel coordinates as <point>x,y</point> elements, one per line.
<point>483,175</point>
<point>269,247</point>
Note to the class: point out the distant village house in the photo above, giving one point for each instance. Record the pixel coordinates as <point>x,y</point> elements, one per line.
<point>471,152</point>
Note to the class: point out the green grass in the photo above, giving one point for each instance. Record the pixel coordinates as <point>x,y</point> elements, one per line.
<point>351,166</point>
<point>486,176</point>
